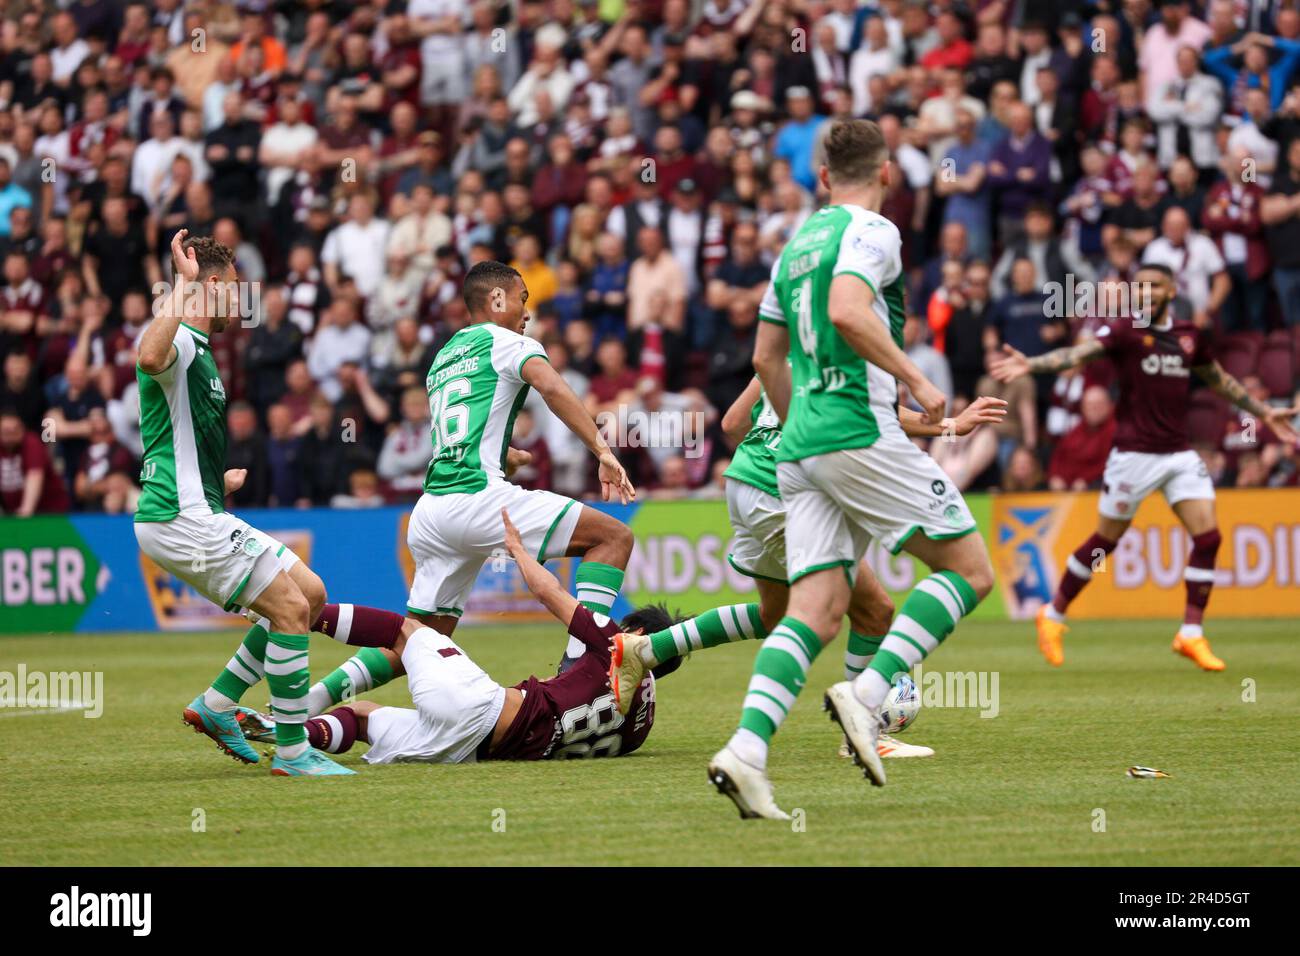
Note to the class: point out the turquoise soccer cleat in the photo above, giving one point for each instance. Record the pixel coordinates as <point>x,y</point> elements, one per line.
<point>310,763</point>
<point>222,728</point>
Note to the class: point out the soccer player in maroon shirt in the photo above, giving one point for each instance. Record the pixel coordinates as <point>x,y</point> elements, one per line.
<point>1154,356</point>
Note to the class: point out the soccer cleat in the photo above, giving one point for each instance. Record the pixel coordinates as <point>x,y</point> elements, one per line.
<point>626,669</point>
<point>888,746</point>
<point>256,726</point>
<point>310,763</point>
<point>861,729</point>
<point>222,728</point>
<point>1198,649</point>
<point>746,785</point>
<point>1051,637</point>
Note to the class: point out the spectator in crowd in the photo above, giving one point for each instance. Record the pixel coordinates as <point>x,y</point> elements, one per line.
<point>644,164</point>
<point>407,449</point>
<point>527,436</point>
<point>1079,458</point>
<point>30,482</point>
<point>246,450</point>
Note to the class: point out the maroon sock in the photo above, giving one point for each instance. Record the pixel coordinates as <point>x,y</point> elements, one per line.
<point>334,732</point>
<point>1198,577</point>
<point>1078,570</point>
<point>358,625</point>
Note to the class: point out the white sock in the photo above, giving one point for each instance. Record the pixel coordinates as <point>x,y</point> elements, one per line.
<point>870,688</point>
<point>291,751</point>
<point>575,649</point>
<point>318,699</point>
<point>218,701</point>
<point>749,747</point>
<point>1052,614</point>
<point>1188,630</point>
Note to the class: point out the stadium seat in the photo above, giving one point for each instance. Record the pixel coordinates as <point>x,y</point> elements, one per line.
<point>1276,369</point>
<point>1238,353</point>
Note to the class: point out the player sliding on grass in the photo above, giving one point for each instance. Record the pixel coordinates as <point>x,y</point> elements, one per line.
<point>181,522</point>
<point>829,354</point>
<point>462,715</point>
<point>477,384</point>
<point>758,519</point>
<point>1153,354</point>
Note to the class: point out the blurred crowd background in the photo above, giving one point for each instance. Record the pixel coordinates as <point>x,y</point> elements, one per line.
<point>641,163</point>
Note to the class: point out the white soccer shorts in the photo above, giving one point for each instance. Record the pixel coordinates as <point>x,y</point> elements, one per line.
<point>456,706</point>
<point>221,556</point>
<point>837,502</point>
<point>758,521</point>
<point>450,536</point>
<point>1131,476</point>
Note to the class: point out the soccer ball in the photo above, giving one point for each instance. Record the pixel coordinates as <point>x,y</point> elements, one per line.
<point>901,706</point>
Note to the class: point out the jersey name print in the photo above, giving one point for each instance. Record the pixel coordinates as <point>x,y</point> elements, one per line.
<point>475,391</point>
<point>839,401</point>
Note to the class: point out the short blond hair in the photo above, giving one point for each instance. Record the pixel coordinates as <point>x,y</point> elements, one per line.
<point>855,151</point>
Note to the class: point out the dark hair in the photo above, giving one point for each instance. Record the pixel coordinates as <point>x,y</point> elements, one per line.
<point>212,256</point>
<point>1156,267</point>
<point>650,618</point>
<point>482,279</point>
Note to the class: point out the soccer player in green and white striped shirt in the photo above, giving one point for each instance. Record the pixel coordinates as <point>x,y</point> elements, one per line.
<point>846,470</point>
<point>182,525</point>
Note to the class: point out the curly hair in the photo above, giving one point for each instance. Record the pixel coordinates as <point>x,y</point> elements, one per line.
<point>212,256</point>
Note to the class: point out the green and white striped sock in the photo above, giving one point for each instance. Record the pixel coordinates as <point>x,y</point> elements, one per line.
<point>287,676</point>
<point>598,585</point>
<point>780,671</point>
<point>858,654</point>
<point>722,625</point>
<point>365,670</point>
<point>928,616</point>
<point>243,670</point>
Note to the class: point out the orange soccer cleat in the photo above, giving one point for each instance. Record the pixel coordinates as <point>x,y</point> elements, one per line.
<point>1198,649</point>
<point>1051,637</point>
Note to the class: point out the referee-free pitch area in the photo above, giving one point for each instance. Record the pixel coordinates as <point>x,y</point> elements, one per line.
<point>1043,782</point>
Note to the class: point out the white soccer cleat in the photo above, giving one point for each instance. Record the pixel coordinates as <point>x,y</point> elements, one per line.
<point>861,729</point>
<point>888,746</point>
<point>746,785</point>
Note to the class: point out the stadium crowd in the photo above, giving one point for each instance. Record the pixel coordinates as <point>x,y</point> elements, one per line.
<point>641,163</point>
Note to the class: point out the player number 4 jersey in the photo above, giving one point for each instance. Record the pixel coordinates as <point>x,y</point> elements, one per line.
<point>475,391</point>
<point>839,400</point>
<point>183,430</point>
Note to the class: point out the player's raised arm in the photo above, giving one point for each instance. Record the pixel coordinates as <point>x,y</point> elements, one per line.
<point>542,583</point>
<point>736,421</point>
<point>560,399</point>
<point>985,410</point>
<point>1221,383</point>
<point>849,311</point>
<point>771,363</point>
<point>1012,364</point>
<point>157,350</point>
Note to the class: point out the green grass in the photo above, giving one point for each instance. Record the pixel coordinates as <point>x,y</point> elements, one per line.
<point>1022,788</point>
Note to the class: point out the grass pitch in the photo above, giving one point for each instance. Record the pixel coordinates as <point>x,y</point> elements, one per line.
<point>1034,785</point>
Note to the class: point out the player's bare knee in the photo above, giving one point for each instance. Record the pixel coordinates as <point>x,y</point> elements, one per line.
<point>979,575</point>
<point>292,613</point>
<point>770,614</point>
<point>313,589</point>
<point>608,541</point>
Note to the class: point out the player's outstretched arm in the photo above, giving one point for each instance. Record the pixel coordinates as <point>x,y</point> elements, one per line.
<point>157,350</point>
<point>1012,364</point>
<point>771,363</point>
<point>985,410</point>
<point>1277,419</point>
<point>849,309</point>
<point>560,399</point>
<point>736,421</point>
<point>542,583</point>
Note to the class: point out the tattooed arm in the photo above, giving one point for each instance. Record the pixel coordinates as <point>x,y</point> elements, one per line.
<point>1012,364</point>
<point>1277,419</point>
